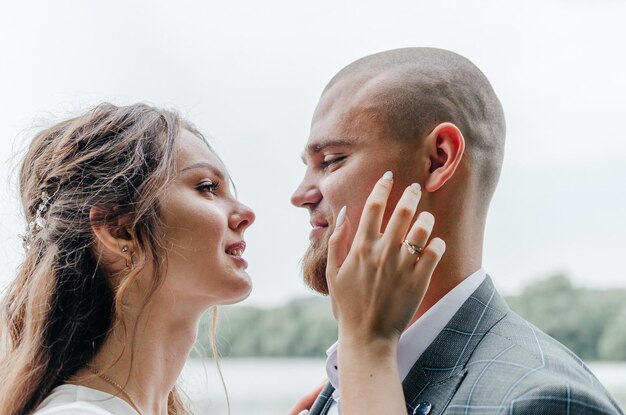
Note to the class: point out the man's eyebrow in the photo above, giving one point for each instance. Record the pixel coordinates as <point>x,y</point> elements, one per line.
<point>204,165</point>
<point>315,148</point>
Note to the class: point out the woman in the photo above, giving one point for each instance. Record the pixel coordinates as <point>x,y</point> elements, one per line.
<point>132,235</point>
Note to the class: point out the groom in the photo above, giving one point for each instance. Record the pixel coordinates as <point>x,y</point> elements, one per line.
<point>432,117</point>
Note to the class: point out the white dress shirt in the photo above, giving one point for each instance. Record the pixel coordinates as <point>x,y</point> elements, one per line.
<point>416,339</point>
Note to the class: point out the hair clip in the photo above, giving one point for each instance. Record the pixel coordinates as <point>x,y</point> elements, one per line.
<point>40,222</point>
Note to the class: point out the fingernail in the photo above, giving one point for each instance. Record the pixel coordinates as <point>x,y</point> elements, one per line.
<point>341,217</point>
<point>388,176</point>
<point>417,186</point>
<point>305,412</point>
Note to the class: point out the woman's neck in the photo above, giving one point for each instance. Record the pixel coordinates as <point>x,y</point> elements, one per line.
<point>148,360</point>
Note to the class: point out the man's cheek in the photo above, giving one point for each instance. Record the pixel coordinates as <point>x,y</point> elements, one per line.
<point>337,183</point>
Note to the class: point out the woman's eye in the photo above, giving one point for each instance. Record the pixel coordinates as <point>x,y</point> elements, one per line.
<point>208,187</point>
<point>330,160</point>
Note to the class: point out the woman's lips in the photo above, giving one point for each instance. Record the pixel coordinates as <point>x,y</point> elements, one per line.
<point>242,263</point>
<point>235,251</point>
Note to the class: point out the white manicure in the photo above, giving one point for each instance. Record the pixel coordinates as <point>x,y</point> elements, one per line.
<point>341,217</point>
<point>388,176</point>
<point>417,186</point>
<point>305,412</point>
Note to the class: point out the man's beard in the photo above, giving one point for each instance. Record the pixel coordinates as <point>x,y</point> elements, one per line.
<point>314,264</point>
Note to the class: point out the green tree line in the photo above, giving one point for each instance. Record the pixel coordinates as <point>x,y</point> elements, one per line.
<point>592,323</point>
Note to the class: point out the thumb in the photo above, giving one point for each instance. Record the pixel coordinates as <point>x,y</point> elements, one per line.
<point>338,244</point>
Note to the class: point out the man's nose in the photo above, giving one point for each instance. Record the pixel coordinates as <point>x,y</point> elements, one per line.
<point>306,194</point>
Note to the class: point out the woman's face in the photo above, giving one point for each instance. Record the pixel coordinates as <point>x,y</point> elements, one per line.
<point>203,225</point>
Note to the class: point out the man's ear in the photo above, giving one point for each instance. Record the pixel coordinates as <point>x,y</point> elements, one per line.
<point>444,147</point>
<point>114,238</point>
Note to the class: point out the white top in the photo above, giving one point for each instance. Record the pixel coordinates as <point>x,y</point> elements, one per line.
<point>416,339</point>
<point>79,400</point>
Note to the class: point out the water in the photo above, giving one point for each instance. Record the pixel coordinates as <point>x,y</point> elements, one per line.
<point>255,386</point>
<point>613,377</point>
<point>271,386</point>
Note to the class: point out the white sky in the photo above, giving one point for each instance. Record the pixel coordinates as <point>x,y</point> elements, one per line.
<point>249,73</point>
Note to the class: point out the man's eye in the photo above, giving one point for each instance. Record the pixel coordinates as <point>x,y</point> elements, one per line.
<point>208,187</point>
<point>329,161</point>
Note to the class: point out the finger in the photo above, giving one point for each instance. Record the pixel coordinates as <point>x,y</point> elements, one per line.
<point>428,262</point>
<point>338,245</point>
<point>372,216</point>
<point>418,235</point>
<point>306,402</point>
<point>403,215</point>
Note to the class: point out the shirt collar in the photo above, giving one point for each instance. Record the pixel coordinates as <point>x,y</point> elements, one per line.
<point>414,341</point>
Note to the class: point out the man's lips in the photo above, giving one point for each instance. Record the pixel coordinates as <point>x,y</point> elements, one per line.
<point>319,227</point>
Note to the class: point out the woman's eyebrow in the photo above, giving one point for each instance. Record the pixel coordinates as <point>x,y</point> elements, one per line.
<point>207,166</point>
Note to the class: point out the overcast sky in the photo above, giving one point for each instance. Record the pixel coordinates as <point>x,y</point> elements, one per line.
<point>249,73</point>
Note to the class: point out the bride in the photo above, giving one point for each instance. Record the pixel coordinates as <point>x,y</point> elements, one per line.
<point>133,233</point>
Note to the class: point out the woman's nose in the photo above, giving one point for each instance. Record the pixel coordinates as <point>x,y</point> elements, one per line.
<point>242,218</point>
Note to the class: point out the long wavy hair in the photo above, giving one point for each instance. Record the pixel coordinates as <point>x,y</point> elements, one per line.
<point>60,308</point>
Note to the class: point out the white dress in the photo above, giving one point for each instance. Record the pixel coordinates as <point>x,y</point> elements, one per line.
<point>79,400</point>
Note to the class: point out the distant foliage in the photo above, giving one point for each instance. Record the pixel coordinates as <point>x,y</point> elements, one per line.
<point>591,323</point>
<point>612,344</point>
<point>302,328</point>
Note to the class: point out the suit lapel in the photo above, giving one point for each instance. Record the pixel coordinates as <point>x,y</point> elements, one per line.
<point>436,375</point>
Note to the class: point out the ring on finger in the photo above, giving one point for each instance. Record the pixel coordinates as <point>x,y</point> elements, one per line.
<point>413,249</point>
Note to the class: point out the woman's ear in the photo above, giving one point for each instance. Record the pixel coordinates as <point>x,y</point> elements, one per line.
<point>444,147</point>
<point>114,238</point>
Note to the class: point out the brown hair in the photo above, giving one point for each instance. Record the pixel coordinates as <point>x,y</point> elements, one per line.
<point>58,311</point>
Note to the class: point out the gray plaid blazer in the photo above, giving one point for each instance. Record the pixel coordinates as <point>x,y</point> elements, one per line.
<point>489,360</point>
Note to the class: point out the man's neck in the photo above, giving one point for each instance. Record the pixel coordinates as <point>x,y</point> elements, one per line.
<point>462,258</point>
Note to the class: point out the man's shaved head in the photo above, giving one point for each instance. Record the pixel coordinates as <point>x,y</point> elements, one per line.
<point>416,89</point>
<point>385,111</point>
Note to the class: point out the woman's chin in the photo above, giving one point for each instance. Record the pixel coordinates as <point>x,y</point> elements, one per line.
<point>240,292</point>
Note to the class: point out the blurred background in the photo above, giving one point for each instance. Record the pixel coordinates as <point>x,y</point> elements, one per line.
<point>249,73</point>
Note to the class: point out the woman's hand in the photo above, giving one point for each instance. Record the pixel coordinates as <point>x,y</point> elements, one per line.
<point>376,287</point>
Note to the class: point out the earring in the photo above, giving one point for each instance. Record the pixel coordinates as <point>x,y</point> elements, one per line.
<point>125,248</point>
<point>130,263</point>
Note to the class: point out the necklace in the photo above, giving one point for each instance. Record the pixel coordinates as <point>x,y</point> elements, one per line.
<point>116,386</point>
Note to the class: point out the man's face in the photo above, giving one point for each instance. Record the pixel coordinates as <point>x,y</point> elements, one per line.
<point>348,150</point>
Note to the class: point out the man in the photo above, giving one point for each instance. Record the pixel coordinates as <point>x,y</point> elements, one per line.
<point>431,117</point>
